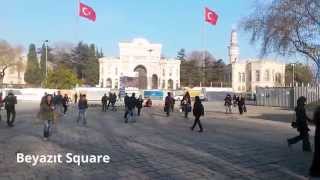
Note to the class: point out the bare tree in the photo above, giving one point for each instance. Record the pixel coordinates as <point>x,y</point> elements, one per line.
<point>8,57</point>
<point>287,27</point>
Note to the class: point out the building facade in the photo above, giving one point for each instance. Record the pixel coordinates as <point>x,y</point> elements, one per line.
<point>140,59</point>
<point>246,75</point>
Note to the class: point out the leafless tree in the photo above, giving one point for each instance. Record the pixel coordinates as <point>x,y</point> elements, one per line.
<point>287,27</point>
<point>9,56</point>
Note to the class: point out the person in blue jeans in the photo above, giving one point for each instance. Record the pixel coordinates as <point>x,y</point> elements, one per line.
<point>47,115</point>
<point>82,106</point>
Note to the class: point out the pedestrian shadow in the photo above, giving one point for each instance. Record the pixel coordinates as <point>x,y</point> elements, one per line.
<point>285,118</point>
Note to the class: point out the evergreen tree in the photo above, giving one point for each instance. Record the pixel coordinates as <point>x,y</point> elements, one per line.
<point>86,64</point>
<point>62,78</point>
<point>80,56</point>
<point>32,74</point>
<point>91,70</point>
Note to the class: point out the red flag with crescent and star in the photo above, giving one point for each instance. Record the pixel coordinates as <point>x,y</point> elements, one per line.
<point>87,12</point>
<point>210,16</point>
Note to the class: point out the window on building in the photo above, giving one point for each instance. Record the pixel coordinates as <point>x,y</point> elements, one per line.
<point>163,72</point>
<point>239,77</point>
<point>163,84</point>
<point>170,72</point>
<point>267,75</point>
<point>257,75</point>
<point>116,71</point>
<point>116,84</point>
<point>278,79</point>
<point>243,77</point>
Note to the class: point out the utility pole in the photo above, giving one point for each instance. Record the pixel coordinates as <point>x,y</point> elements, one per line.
<point>293,64</point>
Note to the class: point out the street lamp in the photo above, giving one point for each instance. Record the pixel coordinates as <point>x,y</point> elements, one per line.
<point>46,45</point>
<point>293,64</point>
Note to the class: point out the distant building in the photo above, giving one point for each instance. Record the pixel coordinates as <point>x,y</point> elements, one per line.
<point>140,59</point>
<point>246,75</point>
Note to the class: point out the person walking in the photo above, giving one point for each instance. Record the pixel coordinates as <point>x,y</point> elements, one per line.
<point>301,125</point>
<point>198,111</point>
<point>139,104</point>
<point>10,102</point>
<point>82,106</point>
<point>109,99</point>
<point>47,115</point>
<point>131,104</point>
<point>234,100</point>
<point>113,100</point>
<point>1,105</point>
<point>228,103</point>
<point>126,102</point>
<point>168,104</point>
<point>104,101</point>
<point>75,98</point>
<point>186,104</point>
<point>58,102</point>
<point>315,167</point>
<point>241,105</point>
<point>65,103</point>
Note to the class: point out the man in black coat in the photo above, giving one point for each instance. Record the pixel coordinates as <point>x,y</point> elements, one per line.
<point>198,111</point>
<point>10,102</point>
<point>130,104</point>
<point>302,126</point>
<point>104,101</point>
<point>315,167</point>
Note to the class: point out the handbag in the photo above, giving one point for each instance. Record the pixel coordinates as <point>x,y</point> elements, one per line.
<point>294,124</point>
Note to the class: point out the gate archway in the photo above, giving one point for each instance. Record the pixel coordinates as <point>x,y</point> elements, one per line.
<point>142,77</point>
<point>155,81</point>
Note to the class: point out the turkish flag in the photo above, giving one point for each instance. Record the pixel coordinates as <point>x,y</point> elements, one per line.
<point>87,12</point>
<point>210,16</point>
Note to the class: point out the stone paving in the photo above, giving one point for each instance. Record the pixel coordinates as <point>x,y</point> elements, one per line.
<point>157,147</point>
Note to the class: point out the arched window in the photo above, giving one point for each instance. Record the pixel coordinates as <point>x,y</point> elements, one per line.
<point>257,75</point>
<point>267,75</point>
<point>170,84</point>
<point>142,76</point>
<point>108,83</point>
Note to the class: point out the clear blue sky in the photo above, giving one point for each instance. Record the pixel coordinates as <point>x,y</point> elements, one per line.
<point>174,23</point>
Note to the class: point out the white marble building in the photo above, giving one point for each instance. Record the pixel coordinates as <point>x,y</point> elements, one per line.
<point>246,75</point>
<point>143,60</point>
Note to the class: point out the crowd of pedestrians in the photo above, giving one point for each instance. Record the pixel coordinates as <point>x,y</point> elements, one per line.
<point>54,106</point>
<point>233,102</point>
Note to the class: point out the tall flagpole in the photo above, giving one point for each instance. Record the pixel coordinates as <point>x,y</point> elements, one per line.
<point>203,44</point>
<point>77,21</point>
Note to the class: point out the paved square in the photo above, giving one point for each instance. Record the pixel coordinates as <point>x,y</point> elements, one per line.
<point>252,146</point>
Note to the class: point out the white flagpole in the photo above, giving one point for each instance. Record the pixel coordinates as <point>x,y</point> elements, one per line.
<point>203,43</point>
<point>77,21</point>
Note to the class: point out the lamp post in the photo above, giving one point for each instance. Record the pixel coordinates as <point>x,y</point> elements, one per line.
<point>293,64</point>
<point>46,45</point>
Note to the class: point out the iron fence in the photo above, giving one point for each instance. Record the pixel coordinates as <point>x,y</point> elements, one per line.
<point>286,97</point>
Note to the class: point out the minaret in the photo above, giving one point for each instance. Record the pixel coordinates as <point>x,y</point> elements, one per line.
<point>234,50</point>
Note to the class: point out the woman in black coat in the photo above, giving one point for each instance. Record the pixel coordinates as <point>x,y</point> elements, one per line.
<point>302,126</point>
<point>198,111</point>
<point>139,104</point>
<point>315,168</point>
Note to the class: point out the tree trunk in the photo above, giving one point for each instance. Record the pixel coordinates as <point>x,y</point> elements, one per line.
<point>1,81</point>
<point>317,78</point>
